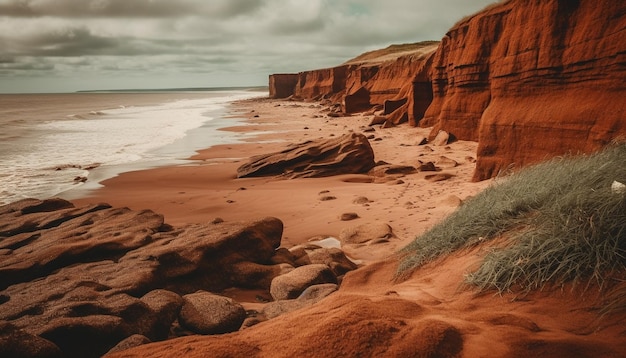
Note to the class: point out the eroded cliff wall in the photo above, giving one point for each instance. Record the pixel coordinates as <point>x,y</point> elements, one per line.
<point>531,80</point>
<point>527,79</point>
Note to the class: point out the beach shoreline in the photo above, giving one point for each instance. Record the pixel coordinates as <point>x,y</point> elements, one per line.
<point>208,188</point>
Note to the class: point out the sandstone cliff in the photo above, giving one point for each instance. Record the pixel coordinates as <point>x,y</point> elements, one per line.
<point>369,80</point>
<point>528,80</point>
<point>532,79</point>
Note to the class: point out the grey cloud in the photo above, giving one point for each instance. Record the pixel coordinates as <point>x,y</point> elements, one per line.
<point>168,40</point>
<point>126,8</point>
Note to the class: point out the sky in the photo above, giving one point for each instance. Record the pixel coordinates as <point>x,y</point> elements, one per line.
<point>71,45</point>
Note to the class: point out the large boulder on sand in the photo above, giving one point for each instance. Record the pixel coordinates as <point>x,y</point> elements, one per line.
<point>206,313</point>
<point>348,154</point>
<point>293,283</point>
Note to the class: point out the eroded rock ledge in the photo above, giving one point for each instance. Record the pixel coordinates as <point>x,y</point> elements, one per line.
<point>77,281</point>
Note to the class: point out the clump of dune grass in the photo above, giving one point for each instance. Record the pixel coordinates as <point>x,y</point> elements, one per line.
<point>564,221</point>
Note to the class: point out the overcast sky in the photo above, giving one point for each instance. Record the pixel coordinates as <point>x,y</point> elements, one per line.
<point>69,45</point>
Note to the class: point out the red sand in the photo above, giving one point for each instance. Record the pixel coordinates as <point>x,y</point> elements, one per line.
<point>429,314</point>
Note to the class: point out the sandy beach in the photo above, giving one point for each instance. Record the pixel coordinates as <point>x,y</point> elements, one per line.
<point>208,187</point>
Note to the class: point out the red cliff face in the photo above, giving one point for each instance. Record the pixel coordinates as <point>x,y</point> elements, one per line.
<point>367,81</point>
<point>533,79</point>
<point>283,85</point>
<point>527,79</point>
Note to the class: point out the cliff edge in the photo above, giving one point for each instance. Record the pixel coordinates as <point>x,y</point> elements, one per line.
<point>528,80</point>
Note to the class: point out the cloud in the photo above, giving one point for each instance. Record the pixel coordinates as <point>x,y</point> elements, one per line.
<point>106,39</point>
<point>125,8</point>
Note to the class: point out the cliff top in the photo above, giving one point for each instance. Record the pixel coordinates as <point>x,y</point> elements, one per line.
<point>394,51</point>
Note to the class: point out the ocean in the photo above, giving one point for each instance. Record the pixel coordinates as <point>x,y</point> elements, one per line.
<point>55,143</point>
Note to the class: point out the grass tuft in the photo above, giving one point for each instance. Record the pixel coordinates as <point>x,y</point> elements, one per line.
<point>565,221</point>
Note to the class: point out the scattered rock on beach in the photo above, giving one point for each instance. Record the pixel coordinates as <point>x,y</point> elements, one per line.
<point>135,340</point>
<point>438,177</point>
<point>292,284</point>
<point>366,232</point>
<point>427,167</point>
<point>442,138</point>
<point>445,162</point>
<point>361,200</point>
<point>349,216</point>
<point>207,313</point>
<point>347,154</point>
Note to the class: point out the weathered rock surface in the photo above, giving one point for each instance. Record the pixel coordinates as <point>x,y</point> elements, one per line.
<point>283,85</point>
<point>364,233</point>
<point>348,154</point>
<point>207,313</point>
<point>15,342</point>
<point>292,284</point>
<point>532,80</point>
<point>309,296</point>
<point>77,282</point>
<point>135,340</point>
<point>527,80</point>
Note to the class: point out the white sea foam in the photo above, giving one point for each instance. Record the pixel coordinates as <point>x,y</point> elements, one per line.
<point>65,148</point>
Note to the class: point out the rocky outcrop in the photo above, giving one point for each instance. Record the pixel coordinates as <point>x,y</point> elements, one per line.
<point>283,85</point>
<point>78,281</point>
<point>348,154</point>
<point>531,80</point>
<point>371,80</point>
<point>528,80</point>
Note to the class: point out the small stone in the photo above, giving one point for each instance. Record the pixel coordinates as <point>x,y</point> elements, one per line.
<point>349,216</point>
<point>441,139</point>
<point>361,200</point>
<point>327,198</point>
<point>428,167</point>
<point>445,162</point>
<point>438,177</point>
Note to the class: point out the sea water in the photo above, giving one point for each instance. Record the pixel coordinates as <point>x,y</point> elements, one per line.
<point>50,144</point>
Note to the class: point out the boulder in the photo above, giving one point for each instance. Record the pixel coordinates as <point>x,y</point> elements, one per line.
<point>207,313</point>
<point>334,258</point>
<point>308,297</point>
<point>347,154</point>
<point>135,340</point>
<point>364,233</point>
<point>441,138</point>
<point>16,343</point>
<point>166,305</point>
<point>292,284</point>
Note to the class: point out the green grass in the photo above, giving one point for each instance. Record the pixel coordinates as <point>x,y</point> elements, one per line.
<point>561,220</point>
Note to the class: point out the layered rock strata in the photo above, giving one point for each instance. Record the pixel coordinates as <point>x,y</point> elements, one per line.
<point>528,80</point>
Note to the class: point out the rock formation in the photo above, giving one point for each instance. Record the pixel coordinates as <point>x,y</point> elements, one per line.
<point>76,282</point>
<point>528,80</point>
<point>348,154</point>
